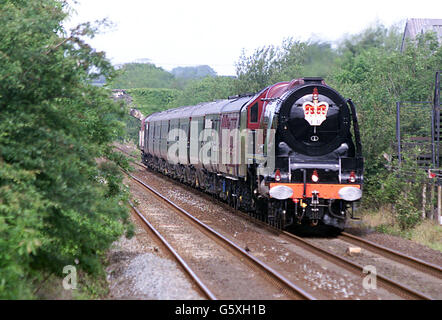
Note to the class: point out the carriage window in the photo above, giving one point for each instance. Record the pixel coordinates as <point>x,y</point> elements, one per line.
<point>254,113</point>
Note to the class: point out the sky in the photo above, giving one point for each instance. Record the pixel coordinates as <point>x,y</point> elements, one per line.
<point>197,32</point>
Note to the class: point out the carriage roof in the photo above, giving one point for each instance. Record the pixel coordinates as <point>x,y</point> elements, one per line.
<point>200,110</point>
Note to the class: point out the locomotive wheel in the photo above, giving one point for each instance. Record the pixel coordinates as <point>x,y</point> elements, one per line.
<point>261,209</point>
<point>231,199</point>
<point>228,198</point>
<point>277,214</point>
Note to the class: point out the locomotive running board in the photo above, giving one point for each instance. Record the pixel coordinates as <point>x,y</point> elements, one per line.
<point>327,166</point>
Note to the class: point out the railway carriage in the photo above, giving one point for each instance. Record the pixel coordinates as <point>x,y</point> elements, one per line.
<point>289,154</point>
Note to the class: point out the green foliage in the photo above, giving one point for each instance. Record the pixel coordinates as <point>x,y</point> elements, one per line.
<point>197,72</point>
<point>149,100</point>
<point>257,71</point>
<point>400,187</point>
<point>293,59</point>
<point>207,89</point>
<point>22,209</point>
<point>132,129</point>
<point>376,77</point>
<point>184,75</point>
<point>147,75</point>
<point>377,36</point>
<point>142,75</point>
<point>57,201</point>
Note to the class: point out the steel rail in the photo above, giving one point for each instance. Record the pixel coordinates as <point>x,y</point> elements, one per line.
<point>287,284</point>
<point>394,255</point>
<point>186,267</point>
<point>387,283</point>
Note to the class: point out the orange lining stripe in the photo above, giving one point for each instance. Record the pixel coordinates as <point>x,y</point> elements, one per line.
<point>326,191</point>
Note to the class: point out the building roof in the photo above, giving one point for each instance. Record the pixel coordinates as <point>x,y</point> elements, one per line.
<point>415,27</point>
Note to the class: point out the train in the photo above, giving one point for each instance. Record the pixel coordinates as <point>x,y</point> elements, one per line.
<point>290,154</point>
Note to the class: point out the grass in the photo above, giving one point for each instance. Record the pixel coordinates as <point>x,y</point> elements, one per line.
<point>89,287</point>
<point>427,232</point>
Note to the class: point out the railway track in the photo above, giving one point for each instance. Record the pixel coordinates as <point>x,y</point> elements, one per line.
<point>276,279</point>
<point>385,282</point>
<point>199,283</point>
<point>413,262</point>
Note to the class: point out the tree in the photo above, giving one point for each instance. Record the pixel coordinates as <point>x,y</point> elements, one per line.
<point>293,59</point>
<point>255,72</point>
<point>376,75</point>
<point>197,72</point>
<point>142,75</point>
<point>207,89</point>
<point>58,202</point>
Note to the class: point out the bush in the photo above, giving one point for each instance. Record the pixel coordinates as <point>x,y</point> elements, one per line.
<point>57,202</point>
<point>205,90</point>
<point>149,100</point>
<point>142,75</point>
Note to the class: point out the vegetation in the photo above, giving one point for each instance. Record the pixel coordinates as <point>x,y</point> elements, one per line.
<point>384,220</point>
<point>293,59</point>
<point>207,89</point>
<point>376,77</point>
<point>197,72</point>
<point>149,100</point>
<point>147,75</point>
<point>142,75</point>
<point>58,203</point>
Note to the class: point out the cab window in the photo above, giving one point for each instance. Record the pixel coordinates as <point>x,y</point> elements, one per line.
<point>254,113</point>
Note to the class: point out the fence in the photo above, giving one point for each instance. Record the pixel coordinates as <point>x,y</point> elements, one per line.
<point>418,125</point>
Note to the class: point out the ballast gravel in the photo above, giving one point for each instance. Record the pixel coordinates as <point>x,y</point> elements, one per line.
<point>140,269</point>
<point>150,277</point>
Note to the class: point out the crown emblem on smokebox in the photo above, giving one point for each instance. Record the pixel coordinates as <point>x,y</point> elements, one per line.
<point>315,112</point>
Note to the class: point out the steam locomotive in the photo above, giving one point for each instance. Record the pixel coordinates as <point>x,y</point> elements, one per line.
<point>290,154</point>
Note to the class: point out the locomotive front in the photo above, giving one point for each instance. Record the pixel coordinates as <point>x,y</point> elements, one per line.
<point>318,164</point>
